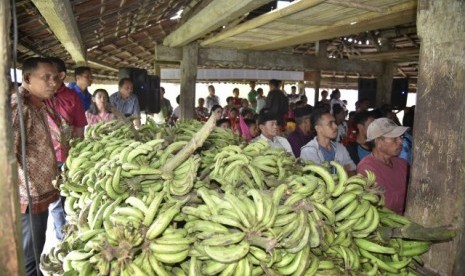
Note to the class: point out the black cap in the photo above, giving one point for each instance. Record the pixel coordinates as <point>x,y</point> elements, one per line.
<point>303,111</point>
<point>265,117</point>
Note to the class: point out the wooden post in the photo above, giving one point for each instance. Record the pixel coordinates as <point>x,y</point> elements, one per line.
<point>384,84</point>
<point>190,55</point>
<point>11,258</point>
<point>436,194</point>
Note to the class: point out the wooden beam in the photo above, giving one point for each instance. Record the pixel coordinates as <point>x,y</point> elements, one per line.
<point>103,65</point>
<point>61,20</point>
<point>436,194</point>
<point>270,60</point>
<point>384,85</point>
<point>390,55</point>
<point>215,15</point>
<point>263,19</point>
<point>357,5</point>
<point>12,257</point>
<point>189,65</point>
<point>397,15</point>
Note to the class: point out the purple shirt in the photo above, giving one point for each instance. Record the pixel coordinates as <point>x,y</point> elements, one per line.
<point>298,139</point>
<point>392,180</point>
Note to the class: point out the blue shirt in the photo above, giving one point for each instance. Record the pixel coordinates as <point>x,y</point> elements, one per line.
<point>86,97</point>
<point>362,152</point>
<point>127,107</point>
<point>406,152</point>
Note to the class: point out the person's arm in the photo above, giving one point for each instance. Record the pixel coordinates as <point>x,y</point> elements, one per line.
<point>78,132</point>
<point>346,161</point>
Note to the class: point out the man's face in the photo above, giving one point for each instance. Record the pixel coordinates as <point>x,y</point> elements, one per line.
<point>269,129</point>
<point>327,126</point>
<point>364,105</point>
<point>85,78</point>
<point>306,125</point>
<point>390,146</point>
<point>43,82</point>
<point>293,91</point>
<point>236,93</point>
<point>252,85</point>
<point>126,89</point>
<point>211,90</point>
<point>201,102</point>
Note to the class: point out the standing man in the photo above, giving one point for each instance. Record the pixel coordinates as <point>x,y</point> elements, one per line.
<point>66,120</point>
<point>322,148</point>
<point>294,97</point>
<point>252,95</point>
<point>40,79</point>
<point>125,101</point>
<point>261,100</point>
<point>83,77</point>
<point>212,99</point>
<point>303,132</point>
<point>165,106</point>
<point>277,102</point>
<point>390,170</point>
<point>268,125</point>
<point>237,101</point>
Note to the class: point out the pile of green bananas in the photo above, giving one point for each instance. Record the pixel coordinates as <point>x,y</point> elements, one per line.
<point>230,209</point>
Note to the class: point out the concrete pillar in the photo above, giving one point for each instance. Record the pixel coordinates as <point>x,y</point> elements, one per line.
<point>436,195</point>
<point>189,63</point>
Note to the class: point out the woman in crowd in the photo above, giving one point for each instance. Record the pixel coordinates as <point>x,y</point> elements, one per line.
<point>100,108</point>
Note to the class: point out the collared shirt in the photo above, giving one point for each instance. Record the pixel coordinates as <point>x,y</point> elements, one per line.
<point>129,106</point>
<point>311,151</point>
<point>201,113</point>
<point>64,113</point>
<point>277,143</point>
<point>40,156</point>
<point>93,119</point>
<point>211,101</point>
<point>297,140</point>
<point>85,96</point>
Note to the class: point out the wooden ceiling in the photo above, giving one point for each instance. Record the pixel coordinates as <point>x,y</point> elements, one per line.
<point>123,33</point>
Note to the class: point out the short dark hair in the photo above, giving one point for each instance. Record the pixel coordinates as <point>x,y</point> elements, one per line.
<point>409,116</point>
<point>316,116</point>
<point>362,116</point>
<point>221,121</point>
<point>81,70</point>
<point>59,63</point>
<point>123,80</point>
<point>275,82</point>
<point>31,64</point>
<point>178,98</point>
<point>250,122</point>
<point>337,108</point>
<point>229,99</point>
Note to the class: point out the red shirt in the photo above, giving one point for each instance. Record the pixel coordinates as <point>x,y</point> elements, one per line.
<point>65,112</point>
<point>393,180</point>
<point>237,102</point>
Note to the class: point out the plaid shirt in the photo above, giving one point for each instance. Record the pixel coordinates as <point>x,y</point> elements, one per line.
<point>40,158</point>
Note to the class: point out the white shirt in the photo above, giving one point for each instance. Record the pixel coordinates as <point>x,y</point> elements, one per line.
<point>261,102</point>
<point>277,142</point>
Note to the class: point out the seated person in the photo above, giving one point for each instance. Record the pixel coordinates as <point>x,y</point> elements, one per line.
<point>390,170</point>
<point>360,148</point>
<point>322,148</point>
<point>268,124</point>
<point>223,123</point>
<point>303,132</point>
<point>100,108</point>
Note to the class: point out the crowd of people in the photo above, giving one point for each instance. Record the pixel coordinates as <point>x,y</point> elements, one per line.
<point>54,114</point>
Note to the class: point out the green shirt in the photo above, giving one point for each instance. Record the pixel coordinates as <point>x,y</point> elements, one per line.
<point>252,95</point>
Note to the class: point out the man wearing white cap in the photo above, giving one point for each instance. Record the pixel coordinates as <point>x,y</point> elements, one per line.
<point>390,170</point>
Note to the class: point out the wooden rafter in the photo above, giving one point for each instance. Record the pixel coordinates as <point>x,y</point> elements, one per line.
<point>262,20</point>
<point>60,18</point>
<point>400,14</point>
<point>218,13</point>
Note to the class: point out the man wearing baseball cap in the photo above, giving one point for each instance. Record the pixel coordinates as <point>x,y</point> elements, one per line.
<point>268,124</point>
<point>390,170</point>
